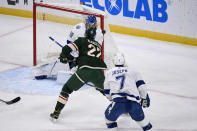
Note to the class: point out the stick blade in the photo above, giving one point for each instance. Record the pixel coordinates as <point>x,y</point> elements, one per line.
<point>13,101</point>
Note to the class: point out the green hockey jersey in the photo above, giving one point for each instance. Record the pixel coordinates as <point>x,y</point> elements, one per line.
<point>89,53</point>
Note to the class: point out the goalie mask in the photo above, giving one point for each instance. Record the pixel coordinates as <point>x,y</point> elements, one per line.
<point>119,59</point>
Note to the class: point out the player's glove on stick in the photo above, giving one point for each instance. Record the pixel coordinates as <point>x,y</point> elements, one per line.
<point>63,59</point>
<point>145,102</point>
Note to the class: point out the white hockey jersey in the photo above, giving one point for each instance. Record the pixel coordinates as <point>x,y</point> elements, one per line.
<point>123,82</point>
<point>79,31</point>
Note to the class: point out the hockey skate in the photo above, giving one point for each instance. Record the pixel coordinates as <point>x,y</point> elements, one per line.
<point>54,116</point>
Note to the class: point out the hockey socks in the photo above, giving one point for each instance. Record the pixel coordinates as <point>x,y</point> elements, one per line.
<point>62,100</point>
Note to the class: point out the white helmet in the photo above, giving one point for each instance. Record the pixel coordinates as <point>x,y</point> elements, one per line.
<point>118,59</point>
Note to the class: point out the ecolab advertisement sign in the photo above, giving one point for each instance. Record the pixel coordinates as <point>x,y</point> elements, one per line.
<point>157,13</point>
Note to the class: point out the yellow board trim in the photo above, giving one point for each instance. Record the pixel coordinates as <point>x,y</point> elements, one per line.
<point>58,19</point>
<point>113,28</point>
<point>153,35</point>
<point>16,12</point>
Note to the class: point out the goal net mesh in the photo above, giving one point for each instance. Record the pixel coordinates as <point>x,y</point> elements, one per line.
<point>52,20</point>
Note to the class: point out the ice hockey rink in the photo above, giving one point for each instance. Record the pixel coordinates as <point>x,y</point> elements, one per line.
<point>169,69</point>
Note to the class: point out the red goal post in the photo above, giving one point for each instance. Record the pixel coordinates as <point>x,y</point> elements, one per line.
<point>35,5</point>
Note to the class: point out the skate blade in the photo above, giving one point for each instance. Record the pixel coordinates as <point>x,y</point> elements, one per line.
<point>53,120</point>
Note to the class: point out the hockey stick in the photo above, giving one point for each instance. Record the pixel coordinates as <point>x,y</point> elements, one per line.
<point>91,85</point>
<point>11,101</point>
<point>53,67</point>
<point>51,38</point>
<point>60,45</point>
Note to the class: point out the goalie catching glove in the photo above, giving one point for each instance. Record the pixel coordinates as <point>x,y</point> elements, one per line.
<point>145,102</point>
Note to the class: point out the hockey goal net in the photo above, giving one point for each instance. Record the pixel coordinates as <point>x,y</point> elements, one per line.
<point>54,20</point>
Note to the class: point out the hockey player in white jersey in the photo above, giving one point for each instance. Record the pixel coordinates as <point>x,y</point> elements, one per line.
<point>128,93</point>
<point>50,69</point>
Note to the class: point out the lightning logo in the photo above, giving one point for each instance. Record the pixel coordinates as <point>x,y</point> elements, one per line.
<point>113,6</point>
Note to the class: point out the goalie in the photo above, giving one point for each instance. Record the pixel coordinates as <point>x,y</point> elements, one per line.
<point>50,69</point>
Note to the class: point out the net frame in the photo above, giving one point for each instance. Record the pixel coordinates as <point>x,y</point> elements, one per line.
<point>35,5</point>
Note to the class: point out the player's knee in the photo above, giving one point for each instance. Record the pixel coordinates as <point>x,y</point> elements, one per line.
<point>110,115</point>
<point>66,91</point>
<point>138,116</point>
<point>137,113</point>
<point>108,112</point>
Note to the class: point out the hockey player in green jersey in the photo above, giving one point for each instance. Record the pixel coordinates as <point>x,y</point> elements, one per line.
<point>90,66</point>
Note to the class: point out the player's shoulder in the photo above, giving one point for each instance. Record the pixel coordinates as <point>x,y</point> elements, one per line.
<point>82,40</point>
<point>131,70</point>
<point>133,73</point>
<point>79,26</point>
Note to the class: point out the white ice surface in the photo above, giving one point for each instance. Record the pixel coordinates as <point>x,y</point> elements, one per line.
<point>169,69</point>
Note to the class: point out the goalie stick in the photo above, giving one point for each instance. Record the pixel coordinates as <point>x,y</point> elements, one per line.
<point>51,38</point>
<point>11,101</point>
<point>60,45</point>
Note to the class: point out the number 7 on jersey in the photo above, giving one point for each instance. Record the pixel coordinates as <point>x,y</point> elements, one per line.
<point>122,80</point>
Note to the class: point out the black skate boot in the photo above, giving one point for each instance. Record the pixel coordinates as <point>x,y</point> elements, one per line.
<point>54,116</point>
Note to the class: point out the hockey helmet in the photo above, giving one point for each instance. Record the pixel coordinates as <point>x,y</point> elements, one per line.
<point>118,59</point>
<point>90,33</point>
<point>90,22</point>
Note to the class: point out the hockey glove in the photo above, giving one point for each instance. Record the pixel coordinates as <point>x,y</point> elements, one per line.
<point>145,102</point>
<point>63,59</point>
